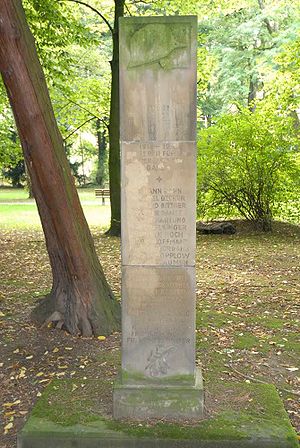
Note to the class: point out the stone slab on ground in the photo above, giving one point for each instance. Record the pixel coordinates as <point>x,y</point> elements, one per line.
<point>77,414</point>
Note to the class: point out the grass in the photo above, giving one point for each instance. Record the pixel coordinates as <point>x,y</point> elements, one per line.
<point>17,211</point>
<point>247,293</point>
<point>13,194</point>
<point>247,306</point>
<point>8,194</point>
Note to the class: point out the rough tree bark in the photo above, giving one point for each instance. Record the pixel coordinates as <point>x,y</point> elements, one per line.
<point>114,129</point>
<point>80,301</point>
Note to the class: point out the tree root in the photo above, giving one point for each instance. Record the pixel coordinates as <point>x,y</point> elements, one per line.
<point>45,314</point>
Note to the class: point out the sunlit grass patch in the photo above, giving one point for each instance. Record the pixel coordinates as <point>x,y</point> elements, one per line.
<point>26,216</point>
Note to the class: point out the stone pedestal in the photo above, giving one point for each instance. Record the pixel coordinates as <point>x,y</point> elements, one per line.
<point>179,401</point>
<point>158,132</point>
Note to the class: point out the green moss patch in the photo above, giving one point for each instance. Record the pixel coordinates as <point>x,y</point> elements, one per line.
<point>246,341</point>
<point>241,412</point>
<point>138,378</point>
<point>70,402</point>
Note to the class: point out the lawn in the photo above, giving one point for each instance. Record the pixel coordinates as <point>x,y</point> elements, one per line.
<point>248,288</point>
<point>17,211</point>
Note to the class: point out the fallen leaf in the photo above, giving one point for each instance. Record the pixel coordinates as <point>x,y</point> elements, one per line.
<point>22,372</point>
<point>8,427</point>
<point>8,414</point>
<point>9,405</point>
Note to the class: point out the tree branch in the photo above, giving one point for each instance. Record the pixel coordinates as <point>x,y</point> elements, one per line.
<point>79,105</point>
<point>93,9</point>
<point>128,10</point>
<point>75,130</point>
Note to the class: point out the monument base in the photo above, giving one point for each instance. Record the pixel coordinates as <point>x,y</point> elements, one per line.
<point>169,402</point>
<point>76,413</point>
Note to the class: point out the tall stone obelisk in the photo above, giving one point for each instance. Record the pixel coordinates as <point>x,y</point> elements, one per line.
<point>158,144</point>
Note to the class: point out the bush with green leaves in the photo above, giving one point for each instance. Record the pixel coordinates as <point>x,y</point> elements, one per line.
<point>247,165</point>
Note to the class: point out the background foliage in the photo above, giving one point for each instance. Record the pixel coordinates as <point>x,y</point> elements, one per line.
<point>248,63</point>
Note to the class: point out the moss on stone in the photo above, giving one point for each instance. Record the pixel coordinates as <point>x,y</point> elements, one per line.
<point>70,402</point>
<point>138,378</point>
<point>72,407</point>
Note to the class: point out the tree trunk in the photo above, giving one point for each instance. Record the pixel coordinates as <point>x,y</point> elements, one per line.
<point>80,301</point>
<point>28,183</point>
<point>252,94</point>
<point>101,141</point>
<point>114,129</point>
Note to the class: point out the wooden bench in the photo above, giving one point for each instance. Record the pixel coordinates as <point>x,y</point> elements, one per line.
<point>102,193</point>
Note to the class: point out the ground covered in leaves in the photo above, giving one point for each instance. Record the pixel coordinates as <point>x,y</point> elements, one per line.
<point>248,288</point>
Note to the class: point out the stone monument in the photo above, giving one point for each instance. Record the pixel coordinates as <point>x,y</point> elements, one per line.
<point>158,133</point>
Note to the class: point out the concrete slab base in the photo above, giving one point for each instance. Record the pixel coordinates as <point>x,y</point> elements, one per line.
<point>74,414</point>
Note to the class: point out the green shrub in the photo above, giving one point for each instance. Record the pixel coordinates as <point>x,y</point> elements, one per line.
<point>247,166</point>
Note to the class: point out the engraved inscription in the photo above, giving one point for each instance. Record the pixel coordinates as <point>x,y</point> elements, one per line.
<point>158,319</point>
<point>157,361</point>
<point>159,179</point>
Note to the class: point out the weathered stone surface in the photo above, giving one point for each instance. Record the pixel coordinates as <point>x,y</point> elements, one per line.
<point>170,402</point>
<point>158,130</point>
<point>158,330</point>
<point>158,203</point>
<point>158,78</point>
<point>217,228</point>
<point>123,441</point>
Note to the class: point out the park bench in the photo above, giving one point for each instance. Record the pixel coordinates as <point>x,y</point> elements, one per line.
<point>102,193</point>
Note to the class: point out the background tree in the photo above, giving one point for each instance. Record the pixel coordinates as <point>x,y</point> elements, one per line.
<point>114,128</point>
<point>101,174</point>
<point>80,300</point>
<point>57,31</point>
<point>247,165</point>
<point>243,39</point>
<point>114,119</point>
